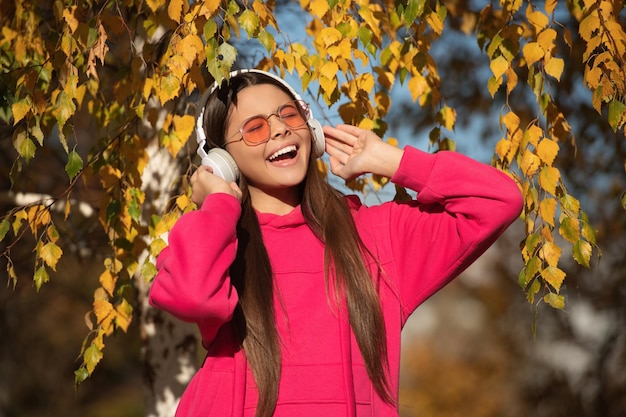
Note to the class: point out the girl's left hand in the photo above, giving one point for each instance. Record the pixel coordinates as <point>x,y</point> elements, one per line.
<point>354,151</point>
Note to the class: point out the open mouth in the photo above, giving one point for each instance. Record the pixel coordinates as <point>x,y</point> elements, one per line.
<point>286,153</point>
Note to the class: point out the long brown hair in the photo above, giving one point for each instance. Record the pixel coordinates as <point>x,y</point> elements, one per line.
<point>327,214</point>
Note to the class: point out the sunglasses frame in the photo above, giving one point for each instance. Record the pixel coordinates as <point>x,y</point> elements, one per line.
<point>301,106</point>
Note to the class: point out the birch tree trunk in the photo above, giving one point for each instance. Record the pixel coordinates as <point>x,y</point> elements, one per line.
<point>169,346</point>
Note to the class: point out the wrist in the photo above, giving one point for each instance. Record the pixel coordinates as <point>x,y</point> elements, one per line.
<point>385,159</point>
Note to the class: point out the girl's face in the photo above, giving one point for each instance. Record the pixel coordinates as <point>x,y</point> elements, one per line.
<point>275,168</point>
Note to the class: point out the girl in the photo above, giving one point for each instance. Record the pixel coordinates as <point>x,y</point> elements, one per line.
<point>300,293</point>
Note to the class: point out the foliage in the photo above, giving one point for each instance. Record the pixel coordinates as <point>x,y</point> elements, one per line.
<point>120,62</point>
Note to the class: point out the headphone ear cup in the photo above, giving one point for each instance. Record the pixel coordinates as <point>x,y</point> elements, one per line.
<point>319,143</point>
<point>223,164</point>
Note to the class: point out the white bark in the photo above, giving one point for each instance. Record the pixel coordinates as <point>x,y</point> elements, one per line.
<point>169,346</point>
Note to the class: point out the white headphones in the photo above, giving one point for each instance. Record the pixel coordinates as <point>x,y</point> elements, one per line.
<point>219,159</point>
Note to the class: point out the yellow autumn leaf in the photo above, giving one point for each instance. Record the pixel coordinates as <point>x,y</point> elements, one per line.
<point>589,25</point>
<point>446,117</point>
<point>50,253</point>
<point>529,163</point>
<point>551,253</point>
<point>547,150</point>
<point>319,8</point>
<point>547,210</point>
<point>102,309</point>
<point>191,49</point>
<point>502,148</point>
<point>499,66</point>
<point>536,18</point>
<point>511,121</point>
<point>154,4</point>
<point>156,246</point>
<point>533,134</point>
<point>546,39</point>
<point>549,178</point>
<point>184,126</point>
<point>109,176</point>
<point>553,276</point>
<point>169,87</point>
<point>554,67</point>
<point>209,7</point>
<point>20,109</point>
<point>330,36</point>
<point>70,19</point>
<point>124,315</point>
<point>182,201</point>
<point>107,280</point>
<point>329,70</point>
<point>532,53</point>
<point>175,10</point>
<point>365,82</point>
<point>550,5</point>
<point>435,22</point>
<point>511,79</point>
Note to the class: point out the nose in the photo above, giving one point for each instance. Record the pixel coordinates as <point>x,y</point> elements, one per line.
<point>277,126</point>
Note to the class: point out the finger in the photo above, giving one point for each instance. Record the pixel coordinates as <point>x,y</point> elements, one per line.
<point>336,153</point>
<point>333,133</point>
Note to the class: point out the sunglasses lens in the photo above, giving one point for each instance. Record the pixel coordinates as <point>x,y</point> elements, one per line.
<point>256,130</point>
<point>293,114</point>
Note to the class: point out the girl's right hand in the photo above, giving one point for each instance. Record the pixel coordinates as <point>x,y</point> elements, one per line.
<point>203,183</point>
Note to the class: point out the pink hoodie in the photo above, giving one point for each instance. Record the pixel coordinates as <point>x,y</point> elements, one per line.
<point>461,208</point>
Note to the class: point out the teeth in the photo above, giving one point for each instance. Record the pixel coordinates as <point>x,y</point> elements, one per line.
<point>282,151</point>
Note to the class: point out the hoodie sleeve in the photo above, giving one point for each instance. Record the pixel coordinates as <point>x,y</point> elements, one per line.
<point>192,281</point>
<point>462,207</point>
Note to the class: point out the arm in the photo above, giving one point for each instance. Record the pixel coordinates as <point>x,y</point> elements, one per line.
<point>462,207</point>
<point>192,282</point>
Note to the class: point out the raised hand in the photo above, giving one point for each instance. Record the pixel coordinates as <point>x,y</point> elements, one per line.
<point>354,151</point>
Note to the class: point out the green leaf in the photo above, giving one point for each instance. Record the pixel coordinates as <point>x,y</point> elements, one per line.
<point>41,277</point>
<point>555,300</point>
<point>267,40</point>
<point>148,271</point>
<point>570,229</point>
<point>581,251</point>
<point>65,108</point>
<point>249,21</point>
<point>74,164</point>
<point>133,208</point>
<point>113,209</point>
<point>617,114</point>
<point>91,357</point>
<point>5,226</point>
<point>80,375</point>
<point>23,145</point>
<point>365,36</point>
<point>413,9</point>
<point>533,266</point>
